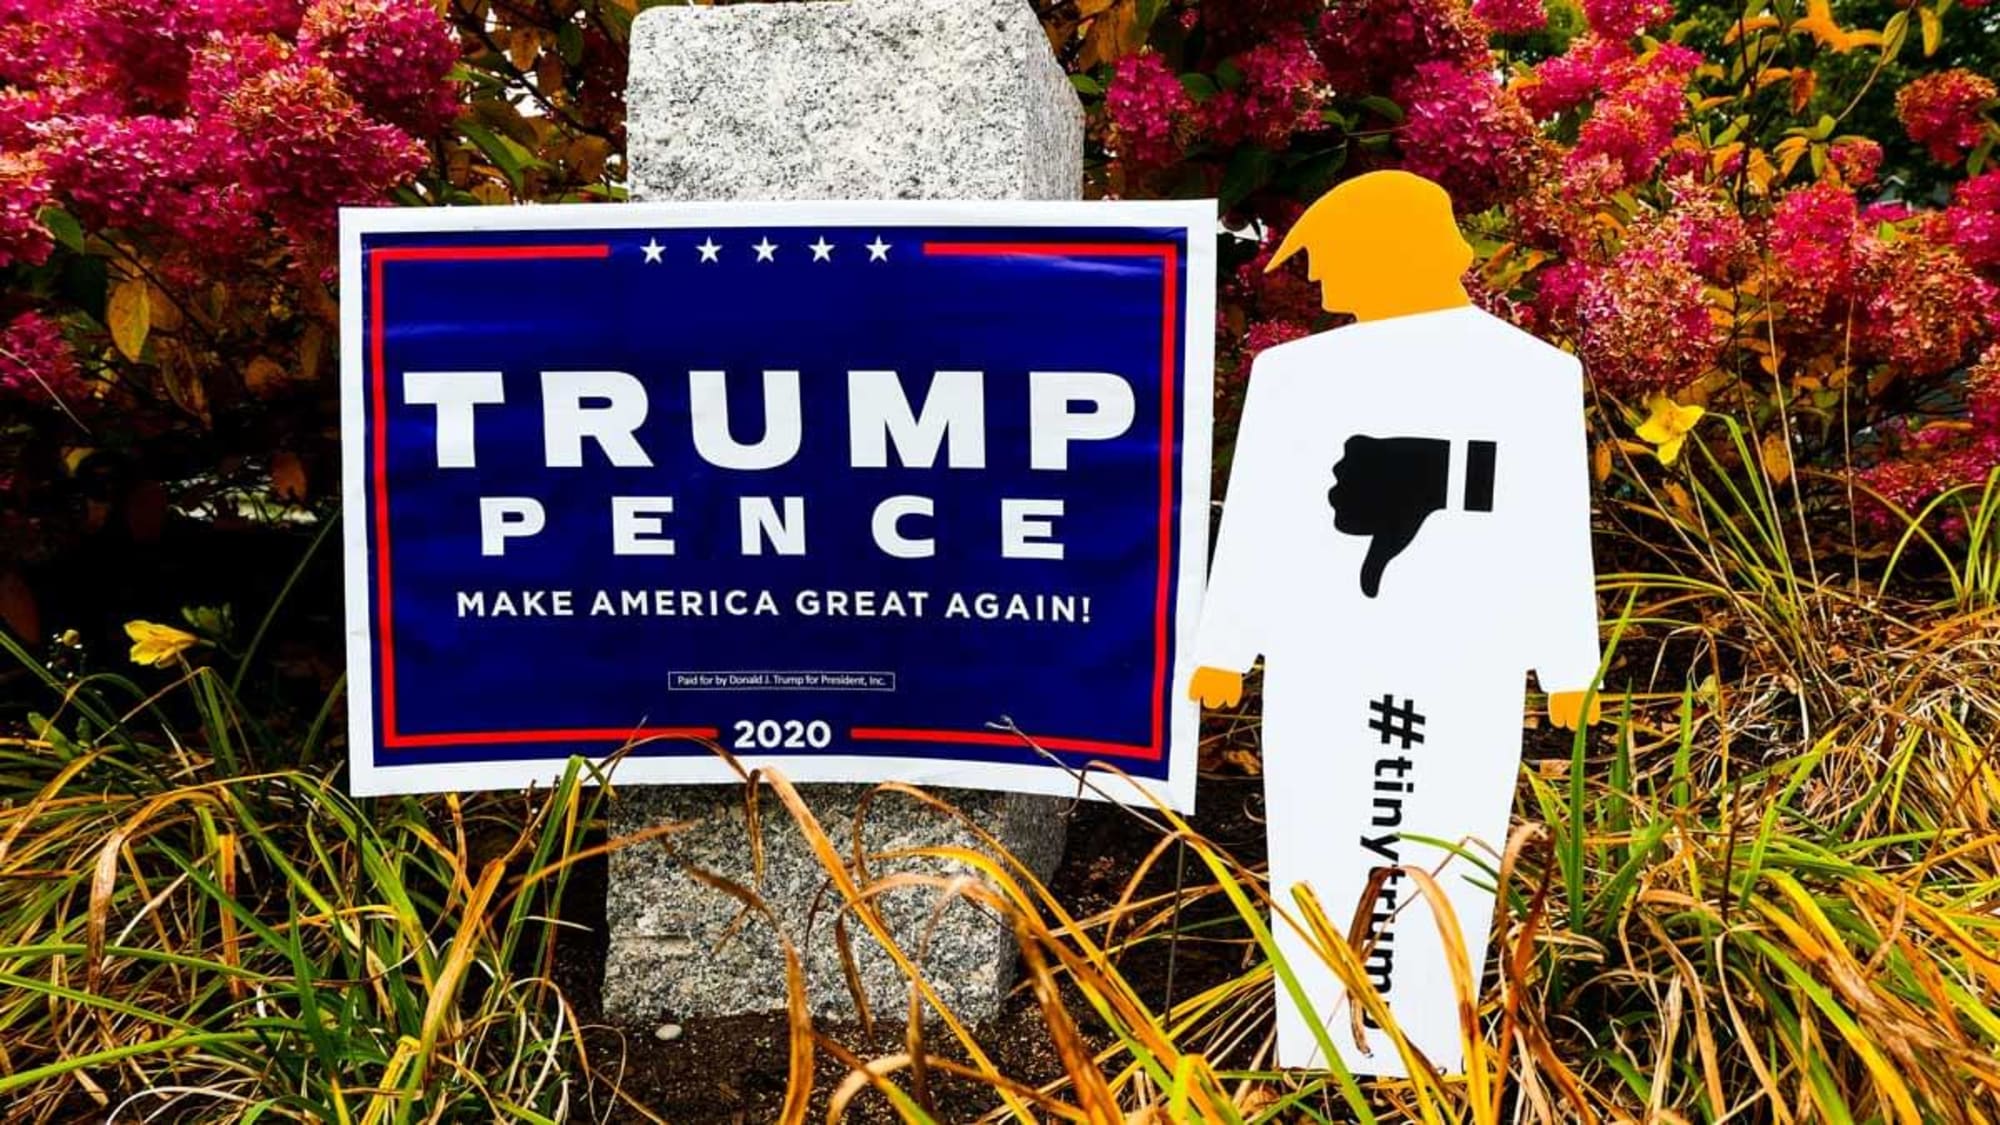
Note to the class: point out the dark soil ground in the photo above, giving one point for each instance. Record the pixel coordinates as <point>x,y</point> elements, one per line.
<point>733,1069</point>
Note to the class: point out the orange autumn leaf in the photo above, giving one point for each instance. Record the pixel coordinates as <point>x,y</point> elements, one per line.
<point>18,611</point>
<point>1112,34</point>
<point>288,477</point>
<point>1777,457</point>
<point>264,377</point>
<point>129,315</point>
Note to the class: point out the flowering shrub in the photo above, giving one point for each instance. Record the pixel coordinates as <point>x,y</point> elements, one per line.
<point>1777,211</point>
<point>170,172</point>
<point>1702,203</point>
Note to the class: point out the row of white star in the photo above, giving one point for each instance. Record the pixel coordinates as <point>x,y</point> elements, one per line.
<point>822,250</point>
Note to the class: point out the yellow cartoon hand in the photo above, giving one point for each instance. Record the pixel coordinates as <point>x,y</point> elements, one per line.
<point>1566,708</point>
<point>1216,687</point>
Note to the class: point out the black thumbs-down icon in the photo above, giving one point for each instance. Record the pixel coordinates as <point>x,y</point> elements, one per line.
<point>1386,488</point>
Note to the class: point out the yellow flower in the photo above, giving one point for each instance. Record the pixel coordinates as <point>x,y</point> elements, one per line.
<point>1666,429</point>
<point>1819,23</point>
<point>157,644</point>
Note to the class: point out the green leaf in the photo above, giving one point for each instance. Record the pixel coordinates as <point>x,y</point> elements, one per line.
<point>1249,169</point>
<point>63,226</point>
<point>500,115</point>
<point>498,149</point>
<point>1933,30</point>
<point>1894,34</point>
<point>1383,107</point>
<point>85,281</point>
<point>1228,75</point>
<point>1086,85</point>
<point>1149,10</point>
<point>1312,174</point>
<point>1199,86</point>
<point>569,43</point>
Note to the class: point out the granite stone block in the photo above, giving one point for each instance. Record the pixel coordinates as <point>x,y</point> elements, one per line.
<point>869,99</point>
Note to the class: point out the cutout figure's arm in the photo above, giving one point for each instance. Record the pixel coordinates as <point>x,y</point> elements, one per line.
<point>1230,636</point>
<point>1565,652</point>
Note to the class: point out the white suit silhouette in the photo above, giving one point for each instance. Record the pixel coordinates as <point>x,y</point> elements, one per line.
<point>1475,600</point>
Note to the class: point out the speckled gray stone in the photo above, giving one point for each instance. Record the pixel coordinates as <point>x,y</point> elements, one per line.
<point>679,948</point>
<point>870,99</point>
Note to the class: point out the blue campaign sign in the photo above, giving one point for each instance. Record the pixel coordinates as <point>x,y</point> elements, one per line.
<point>835,486</point>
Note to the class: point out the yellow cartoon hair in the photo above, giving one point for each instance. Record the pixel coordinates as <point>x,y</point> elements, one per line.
<point>1402,221</point>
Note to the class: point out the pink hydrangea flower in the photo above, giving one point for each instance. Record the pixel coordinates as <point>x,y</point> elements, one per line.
<point>1568,80</point>
<point>1279,95</point>
<point>1686,160</point>
<point>1943,111</point>
<point>24,191</point>
<point>180,175</point>
<point>1634,124</point>
<point>1812,247</point>
<point>1270,333</point>
<point>37,366</point>
<point>1921,308</point>
<point>225,63</point>
<point>1559,292</point>
<point>1623,19</point>
<point>391,55</point>
<point>1465,131</point>
<point>1707,233</point>
<point>38,39</point>
<point>1367,47</point>
<point>1857,159</point>
<point>308,147</point>
<point>1146,103</point>
<point>1972,223</point>
<point>1492,301</point>
<point>1982,390</point>
<point>1935,459</point>
<point>1642,323</point>
<point>1511,17</point>
<point>1886,211</point>
<point>1284,296</point>
<point>194,123</point>
<point>1912,481</point>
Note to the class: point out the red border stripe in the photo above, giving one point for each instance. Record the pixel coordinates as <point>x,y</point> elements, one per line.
<point>384,627</point>
<point>1169,255</point>
<point>1051,249</point>
<point>580,734</point>
<point>488,253</point>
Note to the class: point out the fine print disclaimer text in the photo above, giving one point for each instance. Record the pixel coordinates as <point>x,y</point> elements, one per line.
<point>781,681</point>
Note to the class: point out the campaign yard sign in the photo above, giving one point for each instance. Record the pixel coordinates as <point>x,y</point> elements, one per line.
<point>836,486</point>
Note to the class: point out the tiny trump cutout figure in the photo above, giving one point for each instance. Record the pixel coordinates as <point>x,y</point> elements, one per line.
<point>1405,535</point>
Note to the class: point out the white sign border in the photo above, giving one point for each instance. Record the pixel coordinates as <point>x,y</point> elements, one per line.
<point>1198,218</point>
